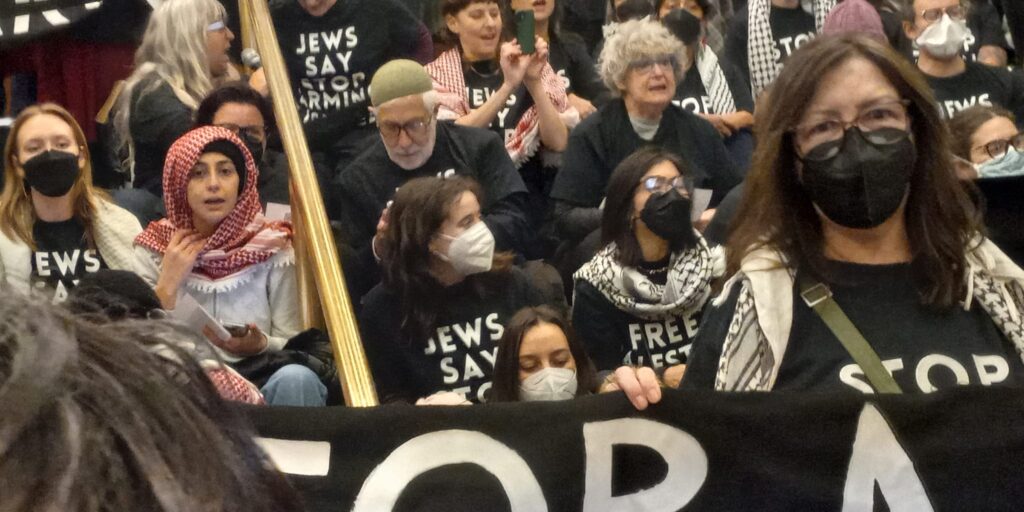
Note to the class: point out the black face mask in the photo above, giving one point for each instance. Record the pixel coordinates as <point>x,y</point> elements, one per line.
<point>52,173</point>
<point>863,183</point>
<point>667,214</point>
<point>255,148</point>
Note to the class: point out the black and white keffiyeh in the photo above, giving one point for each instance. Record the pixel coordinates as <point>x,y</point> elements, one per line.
<point>687,288</point>
<point>761,51</point>
<point>713,78</point>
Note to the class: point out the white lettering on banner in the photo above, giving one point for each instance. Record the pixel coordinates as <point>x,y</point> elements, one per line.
<point>951,107</point>
<point>381,490</point>
<point>990,369</point>
<point>687,465</point>
<point>879,458</point>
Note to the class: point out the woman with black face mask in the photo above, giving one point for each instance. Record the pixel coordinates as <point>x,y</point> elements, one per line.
<point>54,227</point>
<point>638,301</point>
<point>854,232</point>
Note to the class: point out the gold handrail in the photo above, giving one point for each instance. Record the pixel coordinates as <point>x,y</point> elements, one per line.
<point>308,211</point>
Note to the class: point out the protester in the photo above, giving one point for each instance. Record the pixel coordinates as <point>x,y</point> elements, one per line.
<point>541,359</point>
<point>642,62</point>
<point>215,246</point>
<point>706,10</point>
<point>487,83</point>
<point>711,88</point>
<point>856,198</point>
<point>988,141</point>
<point>108,417</point>
<point>939,29</point>
<point>765,33</point>
<point>54,226</point>
<point>431,328</point>
<point>569,59</point>
<point>987,40</point>
<point>242,109</point>
<point>414,144</point>
<point>638,301</point>
<point>331,49</point>
<point>183,53</point>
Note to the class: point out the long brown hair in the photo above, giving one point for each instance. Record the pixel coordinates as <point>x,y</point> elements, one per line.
<point>777,212</point>
<point>16,212</point>
<point>966,122</point>
<point>419,209</point>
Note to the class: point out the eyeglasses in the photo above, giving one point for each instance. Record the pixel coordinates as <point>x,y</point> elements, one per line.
<point>956,12</point>
<point>881,124</point>
<point>254,133</point>
<point>415,129</point>
<point>657,184</point>
<point>998,148</point>
<point>217,25</point>
<point>646,66</point>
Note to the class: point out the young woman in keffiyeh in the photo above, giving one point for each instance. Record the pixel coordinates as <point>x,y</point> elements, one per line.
<point>216,246</point>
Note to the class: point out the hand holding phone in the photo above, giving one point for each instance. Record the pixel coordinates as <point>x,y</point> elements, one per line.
<point>526,31</point>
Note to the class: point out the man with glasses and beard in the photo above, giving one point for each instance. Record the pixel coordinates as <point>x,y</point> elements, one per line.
<point>414,144</point>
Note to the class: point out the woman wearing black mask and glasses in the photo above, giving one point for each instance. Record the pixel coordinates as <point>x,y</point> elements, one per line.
<point>54,226</point>
<point>638,301</point>
<point>853,204</point>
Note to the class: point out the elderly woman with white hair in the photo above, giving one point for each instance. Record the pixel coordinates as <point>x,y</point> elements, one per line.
<point>641,63</point>
<point>182,57</point>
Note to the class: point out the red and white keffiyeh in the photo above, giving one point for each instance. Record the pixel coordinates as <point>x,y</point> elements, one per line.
<point>242,239</point>
<point>450,84</point>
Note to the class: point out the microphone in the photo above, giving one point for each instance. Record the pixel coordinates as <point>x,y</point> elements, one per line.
<point>251,58</point>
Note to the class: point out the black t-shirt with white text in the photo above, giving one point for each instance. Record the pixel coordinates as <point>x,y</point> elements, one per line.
<point>925,349</point>
<point>459,354</point>
<point>692,95</point>
<point>483,79</point>
<point>791,29</point>
<point>979,85</point>
<point>62,257</point>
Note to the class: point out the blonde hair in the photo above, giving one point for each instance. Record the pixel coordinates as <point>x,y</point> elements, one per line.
<point>16,212</point>
<point>173,48</point>
<point>634,41</point>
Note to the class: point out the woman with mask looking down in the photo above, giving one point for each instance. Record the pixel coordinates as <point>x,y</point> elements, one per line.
<point>54,227</point>
<point>431,328</point>
<point>856,199</point>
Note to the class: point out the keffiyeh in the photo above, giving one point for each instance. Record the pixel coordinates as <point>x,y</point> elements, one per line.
<point>761,44</point>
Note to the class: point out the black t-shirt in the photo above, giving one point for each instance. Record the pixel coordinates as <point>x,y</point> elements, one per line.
<point>979,85</point>
<point>483,79</point>
<point>331,58</point>
<point>925,349</point>
<point>692,95</point>
<point>571,62</point>
<point>791,29</point>
<point>607,137</point>
<point>460,352</point>
<point>614,337</point>
<point>62,257</point>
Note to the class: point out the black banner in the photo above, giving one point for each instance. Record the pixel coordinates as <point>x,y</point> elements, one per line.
<point>954,450</point>
<point>22,20</point>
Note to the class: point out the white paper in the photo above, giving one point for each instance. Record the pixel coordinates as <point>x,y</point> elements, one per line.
<point>701,200</point>
<point>278,211</point>
<point>188,311</point>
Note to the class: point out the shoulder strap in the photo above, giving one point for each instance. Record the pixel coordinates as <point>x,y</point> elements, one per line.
<point>819,298</point>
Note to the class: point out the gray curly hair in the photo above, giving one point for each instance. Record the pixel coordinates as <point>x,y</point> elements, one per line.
<point>634,41</point>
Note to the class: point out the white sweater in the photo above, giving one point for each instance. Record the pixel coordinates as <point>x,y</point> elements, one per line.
<point>265,294</point>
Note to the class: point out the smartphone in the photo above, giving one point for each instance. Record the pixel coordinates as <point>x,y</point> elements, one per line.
<point>236,330</point>
<point>525,30</point>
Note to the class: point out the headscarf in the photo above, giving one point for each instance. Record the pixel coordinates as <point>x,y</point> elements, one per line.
<point>243,238</point>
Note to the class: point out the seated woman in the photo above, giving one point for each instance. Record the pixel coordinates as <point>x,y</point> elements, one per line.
<point>642,62</point>
<point>540,358</point>
<point>182,55</point>
<point>853,200</point>
<point>433,324</point>
<point>990,152</point>
<point>485,83</point>
<point>639,300</point>
<point>215,246</point>
<point>54,226</point>
<point>711,88</point>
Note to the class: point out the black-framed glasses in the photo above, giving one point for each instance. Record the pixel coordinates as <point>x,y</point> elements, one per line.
<point>415,129</point>
<point>646,66</point>
<point>881,124</point>
<point>656,184</point>
<point>956,12</point>
<point>998,148</point>
<point>254,133</point>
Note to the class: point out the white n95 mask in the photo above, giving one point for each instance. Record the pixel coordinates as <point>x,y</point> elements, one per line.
<point>472,252</point>
<point>549,384</point>
<point>944,38</point>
